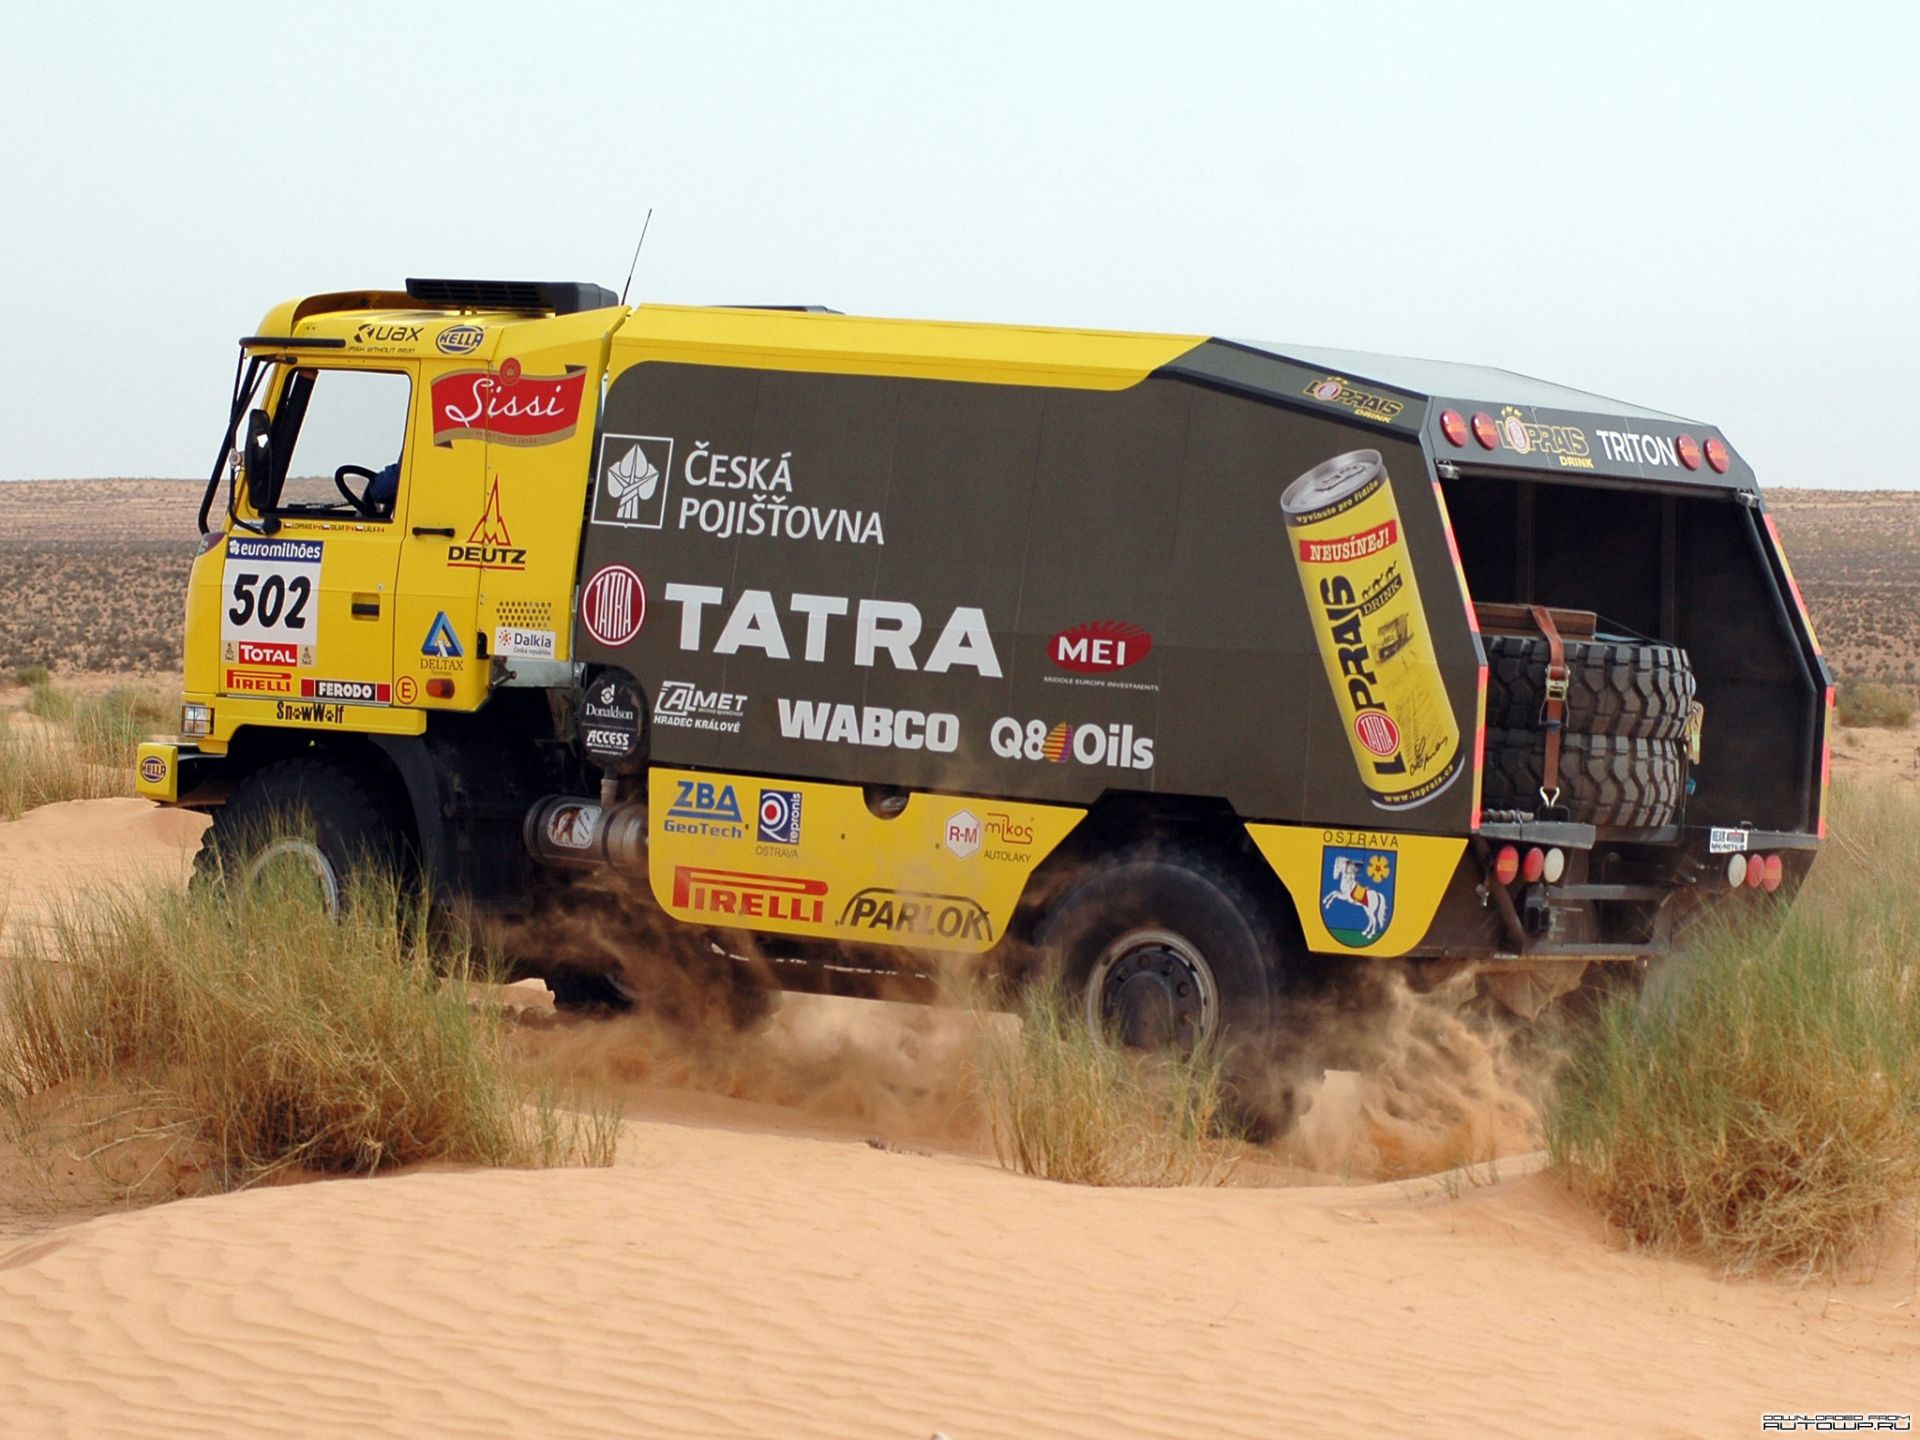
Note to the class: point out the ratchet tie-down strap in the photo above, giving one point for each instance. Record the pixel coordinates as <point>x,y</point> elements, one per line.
<point>1554,712</point>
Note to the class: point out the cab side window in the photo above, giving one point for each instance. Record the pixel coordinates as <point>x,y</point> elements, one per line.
<point>338,439</point>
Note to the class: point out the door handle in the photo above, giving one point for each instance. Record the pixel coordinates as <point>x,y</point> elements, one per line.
<point>446,530</point>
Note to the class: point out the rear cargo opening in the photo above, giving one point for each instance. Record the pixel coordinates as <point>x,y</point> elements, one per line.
<point>1697,570</point>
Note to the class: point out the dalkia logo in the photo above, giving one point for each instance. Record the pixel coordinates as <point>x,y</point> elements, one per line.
<point>1098,647</point>
<point>745,895</point>
<point>489,545</point>
<point>507,407</point>
<point>633,481</point>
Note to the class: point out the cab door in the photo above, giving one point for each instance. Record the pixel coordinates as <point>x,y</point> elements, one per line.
<point>306,603</point>
<point>439,660</point>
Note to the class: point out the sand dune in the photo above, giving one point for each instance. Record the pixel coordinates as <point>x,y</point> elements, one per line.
<point>751,1267</point>
<point>727,1283</point>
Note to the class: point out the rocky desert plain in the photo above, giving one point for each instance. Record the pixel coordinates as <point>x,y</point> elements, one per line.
<point>805,1232</point>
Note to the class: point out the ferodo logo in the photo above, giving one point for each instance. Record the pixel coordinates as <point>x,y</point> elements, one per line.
<point>909,912</point>
<point>358,692</point>
<point>1098,647</point>
<point>1346,548</point>
<point>745,895</point>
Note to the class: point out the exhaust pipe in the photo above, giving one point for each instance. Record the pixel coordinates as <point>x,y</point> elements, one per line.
<point>574,831</point>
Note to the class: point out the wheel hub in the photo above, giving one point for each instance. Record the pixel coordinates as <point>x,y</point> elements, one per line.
<point>1152,990</point>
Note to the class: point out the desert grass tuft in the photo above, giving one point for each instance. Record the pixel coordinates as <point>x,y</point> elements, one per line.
<point>1869,703</point>
<point>1065,1104</point>
<point>264,1038</point>
<point>1759,1105</point>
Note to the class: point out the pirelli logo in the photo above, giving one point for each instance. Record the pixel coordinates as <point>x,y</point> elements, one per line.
<point>748,895</point>
<point>1347,548</point>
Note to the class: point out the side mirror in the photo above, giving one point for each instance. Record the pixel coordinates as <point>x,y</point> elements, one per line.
<point>256,461</point>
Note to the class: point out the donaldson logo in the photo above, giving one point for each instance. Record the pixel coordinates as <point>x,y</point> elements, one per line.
<point>744,895</point>
<point>460,339</point>
<point>908,912</point>
<point>632,492</point>
<point>703,808</point>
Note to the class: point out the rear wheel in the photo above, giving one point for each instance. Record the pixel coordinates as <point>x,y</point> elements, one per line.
<point>1161,950</point>
<point>308,818</point>
<point>1606,780</point>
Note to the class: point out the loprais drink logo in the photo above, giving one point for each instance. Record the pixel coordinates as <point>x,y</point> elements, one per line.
<point>705,809</point>
<point>634,471</point>
<point>1356,893</point>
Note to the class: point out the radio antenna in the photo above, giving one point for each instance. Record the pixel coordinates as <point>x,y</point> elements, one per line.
<point>636,255</point>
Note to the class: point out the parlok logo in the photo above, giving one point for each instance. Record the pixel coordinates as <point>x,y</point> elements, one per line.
<point>912,912</point>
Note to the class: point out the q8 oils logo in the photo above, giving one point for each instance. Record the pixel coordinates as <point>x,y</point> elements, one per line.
<point>1356,893</point>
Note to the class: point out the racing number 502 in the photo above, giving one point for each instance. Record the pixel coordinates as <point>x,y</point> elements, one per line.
<point>276,602</point>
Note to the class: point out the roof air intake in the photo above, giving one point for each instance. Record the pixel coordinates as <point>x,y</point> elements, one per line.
<point>561,297</point>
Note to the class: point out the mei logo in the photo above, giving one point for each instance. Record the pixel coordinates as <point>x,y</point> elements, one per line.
<point>1099,647</point>
<point>632,492</point>
<point>744,895</point>
<point>703,808</point>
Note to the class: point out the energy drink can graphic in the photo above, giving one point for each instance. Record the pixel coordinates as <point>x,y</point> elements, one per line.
<point>1364,602</point>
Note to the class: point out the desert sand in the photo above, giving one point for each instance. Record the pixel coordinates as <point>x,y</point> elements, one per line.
<point>757,1267</point>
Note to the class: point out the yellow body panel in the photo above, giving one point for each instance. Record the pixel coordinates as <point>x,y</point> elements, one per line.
<point>943,874</point>
<point>1382,905</point>
<point>921,349</point>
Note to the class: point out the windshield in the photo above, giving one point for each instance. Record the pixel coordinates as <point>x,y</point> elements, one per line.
<point>338,437</point>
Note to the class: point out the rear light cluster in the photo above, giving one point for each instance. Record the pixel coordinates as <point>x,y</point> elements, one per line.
<point>1510,864</point>
<point>1756,872</point>
<point>1486,431</point>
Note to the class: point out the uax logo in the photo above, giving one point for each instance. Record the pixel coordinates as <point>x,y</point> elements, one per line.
<point>746,895</point>
<point>1097,647</point>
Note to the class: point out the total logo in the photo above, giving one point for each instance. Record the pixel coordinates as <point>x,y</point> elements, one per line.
<point>703,808</point>
<point>1115,746</point>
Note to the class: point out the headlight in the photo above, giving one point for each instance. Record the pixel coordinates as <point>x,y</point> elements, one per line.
<point>196,720</point>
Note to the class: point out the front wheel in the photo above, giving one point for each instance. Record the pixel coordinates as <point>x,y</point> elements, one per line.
<point>309,819</point>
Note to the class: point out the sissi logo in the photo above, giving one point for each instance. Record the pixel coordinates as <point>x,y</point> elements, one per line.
<point>507,407</point>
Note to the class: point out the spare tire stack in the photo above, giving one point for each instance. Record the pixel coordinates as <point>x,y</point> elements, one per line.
<point>1623,748</point>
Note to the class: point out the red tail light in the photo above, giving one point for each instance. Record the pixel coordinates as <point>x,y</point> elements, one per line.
<point>1506,865</point>
<point>1453,425</point>
<point>1717,456</point>
<point>1534,863</point>
<point>1689,449</point>
<point>1772,873</point>
<point>1756,872</point>
<point>1485,431</point>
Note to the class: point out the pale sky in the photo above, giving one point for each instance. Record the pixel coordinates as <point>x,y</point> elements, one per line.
<point>1707,209</point>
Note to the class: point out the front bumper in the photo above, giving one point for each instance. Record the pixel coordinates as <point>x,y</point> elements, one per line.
<point>169,771</point>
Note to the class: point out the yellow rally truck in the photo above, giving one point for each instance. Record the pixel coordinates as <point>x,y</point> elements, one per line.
<point>1200,668</point>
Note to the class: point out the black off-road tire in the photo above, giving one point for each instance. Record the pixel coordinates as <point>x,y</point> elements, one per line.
<point>323,814</point>
<point>1642,692</point>
<point>1605,780</point>
<point>1148,908</point>
<point>705,993</point>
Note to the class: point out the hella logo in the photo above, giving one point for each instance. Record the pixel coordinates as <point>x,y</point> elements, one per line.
<point>1098,646</point>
